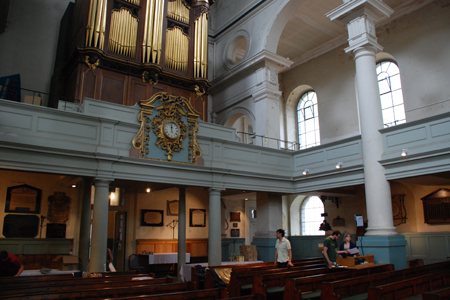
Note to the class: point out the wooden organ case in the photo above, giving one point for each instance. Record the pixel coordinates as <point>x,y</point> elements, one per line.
<point>124,51</point>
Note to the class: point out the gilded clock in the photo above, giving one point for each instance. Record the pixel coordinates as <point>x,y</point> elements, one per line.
<point>171,129</point>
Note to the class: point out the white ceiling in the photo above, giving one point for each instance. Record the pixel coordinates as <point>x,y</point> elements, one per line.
<point>309,33</point>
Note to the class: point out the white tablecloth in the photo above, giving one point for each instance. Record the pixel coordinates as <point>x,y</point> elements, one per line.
<point>185,270</point>
<point>53,271</point>
<point>166,258</point>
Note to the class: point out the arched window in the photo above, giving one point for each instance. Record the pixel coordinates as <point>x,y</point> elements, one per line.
<point>311,211</point>
<point>308,121</point>
<point>391,95</point>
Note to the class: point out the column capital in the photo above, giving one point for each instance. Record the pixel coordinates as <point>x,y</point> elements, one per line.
<point>267,93</point>
<point>98,181</point>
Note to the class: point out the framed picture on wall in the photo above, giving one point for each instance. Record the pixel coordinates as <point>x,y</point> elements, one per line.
<point>172,207</point>
<point>235,216</point>
<point>23,199</point>
<point>197,217</point>
<point>152,217</point>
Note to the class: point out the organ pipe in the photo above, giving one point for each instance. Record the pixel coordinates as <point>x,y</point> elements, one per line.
<point>178,11</point>
<point>123,33</point>
<point>177,49</point>
<point>95,28</point>
<point>201,46</point>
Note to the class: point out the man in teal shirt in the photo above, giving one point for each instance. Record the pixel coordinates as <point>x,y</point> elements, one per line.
<point>330,246</point>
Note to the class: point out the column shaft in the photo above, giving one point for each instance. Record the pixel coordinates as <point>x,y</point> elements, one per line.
<point>85,225</point>
<point>378,193</point>
<point>181,231</point>
<point>99,226</point>
<point>214,238</point>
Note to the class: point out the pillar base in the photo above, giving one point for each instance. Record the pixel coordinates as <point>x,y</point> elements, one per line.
<point>265,248</point>
<point>386,249</point>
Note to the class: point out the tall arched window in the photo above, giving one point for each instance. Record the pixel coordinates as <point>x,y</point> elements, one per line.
<point>308,121</point>
<point>391,95</point>
<point>311,211</point>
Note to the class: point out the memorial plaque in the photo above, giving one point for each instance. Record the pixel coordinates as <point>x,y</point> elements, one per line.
<point>56,231</point>
<point>20,226</point>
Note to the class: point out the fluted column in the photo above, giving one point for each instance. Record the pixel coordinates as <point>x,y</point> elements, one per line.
<point>99,226</point>
<point>215,237</point>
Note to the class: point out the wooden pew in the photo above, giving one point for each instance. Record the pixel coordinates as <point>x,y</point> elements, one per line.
<point>441,294</point>
<point>410,287</point>
<point>60,281</point>
<point>241,281</point>
<point>208,294</point>
<point>210,282</point>
<point>112,291</point>
<point>249,297</point>
<point>295,287</point>
<point>80,284</point>
<point>360,285</point>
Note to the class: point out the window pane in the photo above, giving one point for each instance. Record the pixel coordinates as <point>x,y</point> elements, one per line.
<point>397,97</point>
<point>388,116</point>
<point>391,95</point>
<point>399,112</point>
<point>386,101</point>
<point>308,120</point>
<point>311,218</point>
<point>384,86</point>
<point>395,82</point>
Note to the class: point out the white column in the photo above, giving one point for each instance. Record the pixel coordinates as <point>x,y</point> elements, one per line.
<point>215,237</point>
<point>361,16</point>
<point>378,191</point>
<point>181,230</point>
<point>99,226</point>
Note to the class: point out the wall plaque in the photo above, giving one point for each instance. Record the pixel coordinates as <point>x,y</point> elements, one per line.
<point>20,226</point>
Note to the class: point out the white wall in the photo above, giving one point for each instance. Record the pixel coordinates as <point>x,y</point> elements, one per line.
<point>420,44</point>
<point>29,43</point>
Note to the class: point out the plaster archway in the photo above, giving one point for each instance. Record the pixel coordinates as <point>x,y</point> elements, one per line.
<point>283,14</point>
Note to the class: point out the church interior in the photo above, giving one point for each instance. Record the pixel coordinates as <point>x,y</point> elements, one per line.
<point>200,126</point>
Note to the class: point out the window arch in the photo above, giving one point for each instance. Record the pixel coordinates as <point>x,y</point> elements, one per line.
<point>308,120</point>
<point>311,218</point>
<point>391,95</point>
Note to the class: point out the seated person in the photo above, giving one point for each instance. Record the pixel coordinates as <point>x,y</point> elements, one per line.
<point>347,244</point>
<point>10,265</point>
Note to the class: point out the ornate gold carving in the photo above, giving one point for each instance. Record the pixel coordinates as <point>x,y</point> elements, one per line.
<point>150,77</point>
<point>172,113</point>
<point>199,91</point>
<point>92,63</point>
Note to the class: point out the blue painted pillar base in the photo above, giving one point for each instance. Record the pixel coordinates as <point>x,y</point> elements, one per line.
<point>386,249</point>
<point>265,248</point>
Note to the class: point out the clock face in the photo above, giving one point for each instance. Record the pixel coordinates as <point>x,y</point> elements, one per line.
<point>171,130</point>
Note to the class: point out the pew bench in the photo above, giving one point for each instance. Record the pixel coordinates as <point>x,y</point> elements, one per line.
<point>241,283</point>
<point>209,279</point>
<point>249,297</point>
<point>441,294</point>
<point>357,287</point>
<point>103,292</point>
<point>412,288</point>
<point>20,285</point>
<point>208,294</point>
<point>80,285</point>
<point>311,286</point>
